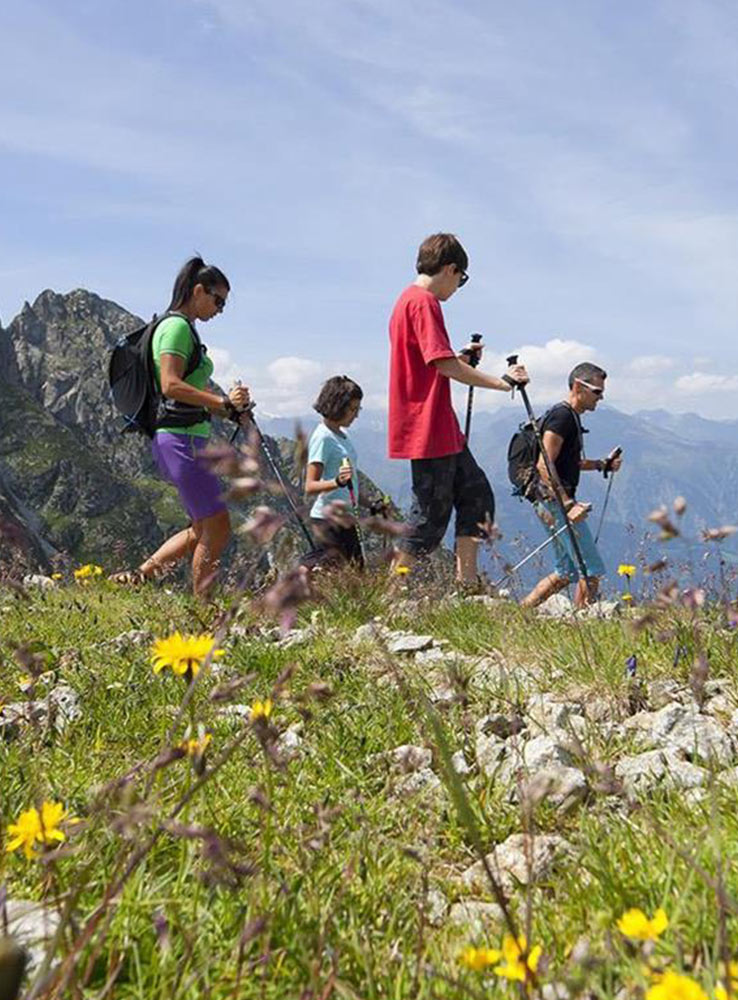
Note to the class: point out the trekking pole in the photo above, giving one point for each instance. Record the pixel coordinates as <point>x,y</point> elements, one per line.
<point>473,362</point>
<point>277,475</point>
<point>615,453</point>
<point>553,478</point>
<point>523,561</point>
<point>344,463</point>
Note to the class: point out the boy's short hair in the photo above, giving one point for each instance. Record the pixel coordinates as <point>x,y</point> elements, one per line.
<point>586,371</point>
<point>337,394</point>
<point>438,250</point>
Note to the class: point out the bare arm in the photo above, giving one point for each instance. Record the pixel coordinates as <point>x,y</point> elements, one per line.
<point>462,372</point>
<point>314,483</point>
<point>173,386</point>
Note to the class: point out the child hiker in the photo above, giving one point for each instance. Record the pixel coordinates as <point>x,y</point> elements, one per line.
<point>332,469</point>
<point>422,424</point>
<point>183,428</point>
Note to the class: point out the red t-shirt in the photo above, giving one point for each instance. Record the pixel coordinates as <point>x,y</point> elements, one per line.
<point>422,423</point>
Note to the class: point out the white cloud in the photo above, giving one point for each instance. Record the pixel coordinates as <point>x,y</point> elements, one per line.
<point>227,371</point>
<point>701,382</point>
<point>292,372</point>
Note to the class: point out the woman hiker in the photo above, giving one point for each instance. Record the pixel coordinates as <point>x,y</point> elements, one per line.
<point>182,372</point>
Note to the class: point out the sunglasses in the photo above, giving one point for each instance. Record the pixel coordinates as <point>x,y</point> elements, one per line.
<point>464,277</point>
<point>218,300</point>
<point>596,389</point>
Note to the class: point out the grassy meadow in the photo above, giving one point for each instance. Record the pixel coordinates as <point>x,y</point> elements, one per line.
<point>243,836</point>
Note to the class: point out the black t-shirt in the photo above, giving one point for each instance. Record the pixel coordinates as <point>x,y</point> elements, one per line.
<point>562,420</point>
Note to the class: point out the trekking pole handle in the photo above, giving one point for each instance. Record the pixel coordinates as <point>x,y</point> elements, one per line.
<point>615,453</point>
<point>473,356</point>
<point>512,359</point>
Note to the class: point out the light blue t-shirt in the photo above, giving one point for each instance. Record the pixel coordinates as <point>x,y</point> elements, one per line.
<point>330,448</point>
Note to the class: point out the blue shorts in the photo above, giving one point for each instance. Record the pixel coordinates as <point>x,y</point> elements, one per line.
<point>567,564</point>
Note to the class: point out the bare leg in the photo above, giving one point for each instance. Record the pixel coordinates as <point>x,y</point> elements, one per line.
<point>175,548</point>
<point>212,535</point>
<point>466,559</point>
<point>586,592</point>
<point>549,585</point>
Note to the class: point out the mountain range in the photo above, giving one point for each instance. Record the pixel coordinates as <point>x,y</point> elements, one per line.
<point>71,484</point>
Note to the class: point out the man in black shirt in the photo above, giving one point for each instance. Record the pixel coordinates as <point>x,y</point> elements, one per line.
<point>561,431</point>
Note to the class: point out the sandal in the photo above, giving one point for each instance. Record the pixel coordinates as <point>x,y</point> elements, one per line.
<point>128,578</point>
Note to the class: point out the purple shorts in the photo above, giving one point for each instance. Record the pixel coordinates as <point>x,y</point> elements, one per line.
<point>177,457</point>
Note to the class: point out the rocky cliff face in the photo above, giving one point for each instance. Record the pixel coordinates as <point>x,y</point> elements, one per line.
<point>70,483</point>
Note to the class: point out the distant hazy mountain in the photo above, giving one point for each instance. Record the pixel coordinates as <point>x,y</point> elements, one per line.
<point>665,456</point>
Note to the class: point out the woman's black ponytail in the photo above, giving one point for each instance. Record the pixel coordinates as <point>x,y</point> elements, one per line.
<point>196,272</point>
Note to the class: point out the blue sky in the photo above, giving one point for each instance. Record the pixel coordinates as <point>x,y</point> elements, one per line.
<point>584,152</point>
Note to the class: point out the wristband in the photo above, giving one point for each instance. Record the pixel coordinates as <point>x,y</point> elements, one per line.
<point>231,411</point>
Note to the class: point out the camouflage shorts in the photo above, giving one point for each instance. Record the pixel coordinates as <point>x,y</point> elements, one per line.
<point>441,485</point>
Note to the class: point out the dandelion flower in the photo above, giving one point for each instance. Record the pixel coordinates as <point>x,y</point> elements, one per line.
<point>33,828</point>
<point>478,959</point>
<point>87,572</point>
<point>514,967</point>
<point>184,654</point>
<point>261,709</point>
<point>674,986</point>
<point>196,747</point>
<point>625,569</point>
<point>635,924</point>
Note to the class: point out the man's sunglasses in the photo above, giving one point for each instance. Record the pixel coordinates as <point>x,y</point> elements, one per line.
<point>596,389</point>
<point>218,300</point>
<point>464,277</point>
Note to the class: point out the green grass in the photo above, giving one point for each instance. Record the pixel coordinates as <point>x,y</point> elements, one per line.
<point>337,862</point>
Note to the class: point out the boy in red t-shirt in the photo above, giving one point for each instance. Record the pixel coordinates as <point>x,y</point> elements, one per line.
<point>422,424</point>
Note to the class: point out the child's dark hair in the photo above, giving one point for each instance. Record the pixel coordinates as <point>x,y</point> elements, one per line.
<point>196,272</point>
<point>337,394</point>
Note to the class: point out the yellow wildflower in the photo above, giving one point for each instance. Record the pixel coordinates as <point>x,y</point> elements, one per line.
<point>33,828</point>
<point>674,986</point>
<point>261,709</point>
<point>196,747</point>
<point>626,597</point>
<point>635,924</point>
<point>402,570</point>
<point>87,571</point>
<point>625,569</point>
<point>512,951</point>
<point>478,959</point>
<point>184,654</point>
<point>57,576</point>
<point>721,993</point>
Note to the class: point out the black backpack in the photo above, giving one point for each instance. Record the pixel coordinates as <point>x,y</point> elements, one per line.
<point>523,454</point>
<point>522,461</point>
<point>133,385</point>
